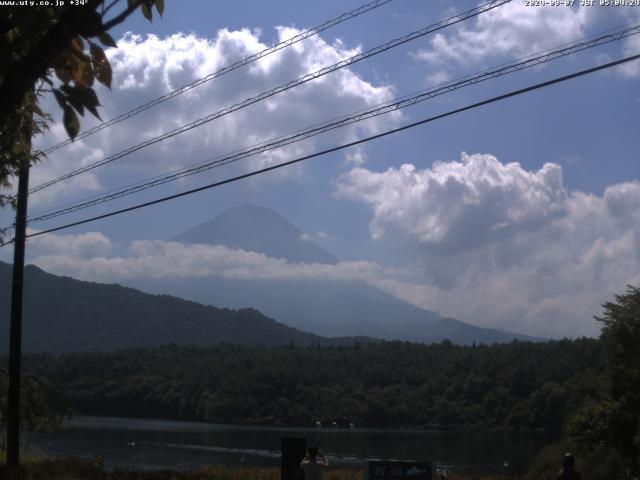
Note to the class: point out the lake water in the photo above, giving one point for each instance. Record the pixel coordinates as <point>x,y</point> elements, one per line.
<point>187,445</point>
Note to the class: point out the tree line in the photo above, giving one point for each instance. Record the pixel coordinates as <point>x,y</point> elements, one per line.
<point>519,385</point>
<point>587,391</point>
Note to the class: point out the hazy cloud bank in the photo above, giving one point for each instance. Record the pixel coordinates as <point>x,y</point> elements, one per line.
<point>504,246</point>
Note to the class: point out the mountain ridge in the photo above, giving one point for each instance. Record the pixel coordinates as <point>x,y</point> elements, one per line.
<point>258,229</point>
<point>62,314</point>
<point>328,308</point>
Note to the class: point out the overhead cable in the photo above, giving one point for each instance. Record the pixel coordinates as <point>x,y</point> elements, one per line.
<point>226,69</point>
<point>282,88</point>
<point>498,98</point>
<point>394,105</point>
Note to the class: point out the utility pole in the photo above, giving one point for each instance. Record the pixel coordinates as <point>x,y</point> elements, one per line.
<point>15,335</point>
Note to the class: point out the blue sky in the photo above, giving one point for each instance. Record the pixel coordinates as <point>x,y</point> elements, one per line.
<point>524,214</point>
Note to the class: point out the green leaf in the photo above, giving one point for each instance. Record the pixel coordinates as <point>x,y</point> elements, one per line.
<point>85,97</point>
<point>146,10</point>
<point>101,65</point>
<point>83,73</point>
<point>160,6</point>
<point>62,101</point>
<point>77,104</point>
<point>88,97</point>
<point>77,45</point>
<point>63,71</point>
<point>107,40</point>
<point>71,122</point>
<point>94,111</point>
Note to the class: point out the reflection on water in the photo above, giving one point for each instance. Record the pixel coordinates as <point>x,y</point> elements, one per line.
<point>153,444</point>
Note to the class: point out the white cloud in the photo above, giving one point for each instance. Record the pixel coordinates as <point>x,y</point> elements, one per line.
<point>93,257</point>
<point>513,29</point>
<point>438,204</point>
<point>316,236</point>
<point>355,156</point>
<point>493,244</point>
<point>147,67</point>
<point>55,165</point>
<point>503,246</point>
<point>85,246</point>
<point>631,47</point>
<point>438,77</point>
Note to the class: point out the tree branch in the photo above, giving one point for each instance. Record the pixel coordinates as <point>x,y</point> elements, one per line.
<point>106,9</point>
<point>71,23</point>
<point>122,16</point>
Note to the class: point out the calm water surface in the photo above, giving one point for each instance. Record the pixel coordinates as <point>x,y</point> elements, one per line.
<point>187,445</point>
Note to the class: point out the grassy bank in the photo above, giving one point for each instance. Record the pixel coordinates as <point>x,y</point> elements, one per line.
<point>77,469</point>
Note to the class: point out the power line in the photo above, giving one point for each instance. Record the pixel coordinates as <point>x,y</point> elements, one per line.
<point>616,33</point>
<point>226,69</point>
<point>343,146</point>
<point>282,88</point>
<point>381,109</point>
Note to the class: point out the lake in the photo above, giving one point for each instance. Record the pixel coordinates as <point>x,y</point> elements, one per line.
<point>187,445</point>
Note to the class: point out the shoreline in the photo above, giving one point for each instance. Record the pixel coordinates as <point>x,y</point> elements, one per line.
<point>74,467</point>
<point>323,428</point>
<point>207,443</point>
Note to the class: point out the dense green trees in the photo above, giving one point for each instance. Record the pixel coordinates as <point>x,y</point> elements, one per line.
<point>621,338</point>
<point>43,406</point>
<point>611,423</point>
<point>390,384</point>
<point>587,391</point>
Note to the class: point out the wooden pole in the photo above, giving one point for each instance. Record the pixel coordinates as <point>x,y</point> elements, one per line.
<point>15,335</point>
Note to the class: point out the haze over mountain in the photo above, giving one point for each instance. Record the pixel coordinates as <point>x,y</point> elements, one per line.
<point>328,308</point>
<point>62,314</point>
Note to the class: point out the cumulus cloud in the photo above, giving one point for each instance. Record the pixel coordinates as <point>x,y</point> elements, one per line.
<point>513,29</point>
<point>503,246</point>
<point>93,257</point>
<point>85,246</point>
<point>355,156</point>
<point>492,243</point>
<point>146,67</point>
<point>441,205</point>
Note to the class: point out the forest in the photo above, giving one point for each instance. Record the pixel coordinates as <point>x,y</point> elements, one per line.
<point>520,385</point>
<point>585,392</point>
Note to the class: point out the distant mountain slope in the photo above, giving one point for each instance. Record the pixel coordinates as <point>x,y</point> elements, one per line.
<point>326,308</point>
<point>64,315</point>
<point>466,334</point>
<point>342,309</point>
<point>260,230</point>
<point>321,307</point>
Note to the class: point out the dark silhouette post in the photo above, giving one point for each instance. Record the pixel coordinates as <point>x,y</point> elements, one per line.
<point>293,451</point>
<point>15,336</point>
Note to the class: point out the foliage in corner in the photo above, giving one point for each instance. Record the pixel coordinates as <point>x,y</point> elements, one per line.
<point>613,422</point>
<point>58,50</point>
<point>43,407</point>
